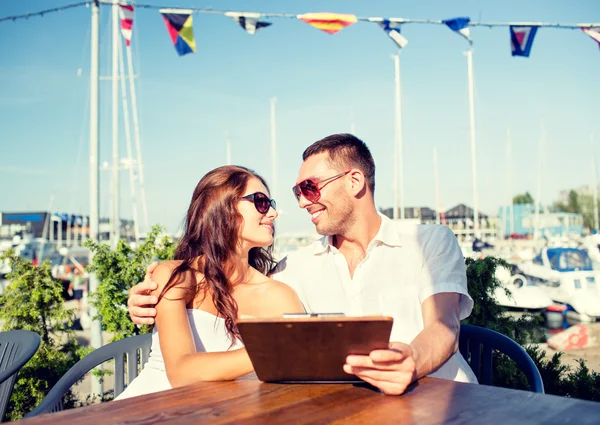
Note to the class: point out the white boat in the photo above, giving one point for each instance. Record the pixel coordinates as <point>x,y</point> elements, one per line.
<point>568,277</point>
<point>524,294</point>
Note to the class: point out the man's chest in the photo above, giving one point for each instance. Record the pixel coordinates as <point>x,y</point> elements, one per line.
<point>379,279</point>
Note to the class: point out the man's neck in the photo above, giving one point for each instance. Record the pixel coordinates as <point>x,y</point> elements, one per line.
<point>360,234</point>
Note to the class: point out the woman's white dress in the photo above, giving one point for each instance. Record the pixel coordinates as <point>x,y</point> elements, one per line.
<point>210,335</point>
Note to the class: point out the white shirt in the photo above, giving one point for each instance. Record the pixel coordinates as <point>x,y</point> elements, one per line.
<point>403,266</point>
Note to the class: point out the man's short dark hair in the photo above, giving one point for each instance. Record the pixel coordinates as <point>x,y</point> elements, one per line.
<point>346,150</point>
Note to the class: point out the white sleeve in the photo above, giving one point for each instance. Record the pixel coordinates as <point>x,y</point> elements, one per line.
<point>444,269</point>
<point>283,272</point>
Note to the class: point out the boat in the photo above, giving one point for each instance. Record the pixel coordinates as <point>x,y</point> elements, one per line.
<point>568,277</point>
<point>525,294</point>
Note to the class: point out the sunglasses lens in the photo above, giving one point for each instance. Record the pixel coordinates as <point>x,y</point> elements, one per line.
<point>309,190</point>
<point>262,203</point>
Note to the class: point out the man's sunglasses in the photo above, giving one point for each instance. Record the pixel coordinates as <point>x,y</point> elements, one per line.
<point>311,188</point>
<point>262,203</point>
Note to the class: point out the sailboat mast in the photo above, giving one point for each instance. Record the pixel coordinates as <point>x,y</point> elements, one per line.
<point>115,236</point>
<point>399,157</point>
<point>472,141</point>
<point>594,187</point>
<point>136,137</point>
<point>96,326</point>
<point>132,194</point>
<point>437,186</point>
<point>273,149</point>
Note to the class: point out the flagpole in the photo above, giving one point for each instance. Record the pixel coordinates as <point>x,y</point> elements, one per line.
<point>469,54</point>
<point>96,325</point>
<point>273,150</point>
<point>136,227</point>
<point>399,160</point>
<point>352,126</point>
<point>115,236</point>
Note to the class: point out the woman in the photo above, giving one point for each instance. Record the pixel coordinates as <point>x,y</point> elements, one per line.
<point>219,274</point>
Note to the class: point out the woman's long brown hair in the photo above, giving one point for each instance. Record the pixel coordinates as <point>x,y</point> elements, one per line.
<point>211,232</point>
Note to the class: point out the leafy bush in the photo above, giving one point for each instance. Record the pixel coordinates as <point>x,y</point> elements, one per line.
<point>559,379</point>
<point>33,301</point>
<point>117,272</point>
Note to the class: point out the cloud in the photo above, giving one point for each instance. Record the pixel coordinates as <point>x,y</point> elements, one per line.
<point>28,171</point>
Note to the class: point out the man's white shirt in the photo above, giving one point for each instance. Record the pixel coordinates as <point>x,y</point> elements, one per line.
<point>404,265</point>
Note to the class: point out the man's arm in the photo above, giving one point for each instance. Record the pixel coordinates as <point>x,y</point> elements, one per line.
<point>438,341</point>
<point>393,370</point>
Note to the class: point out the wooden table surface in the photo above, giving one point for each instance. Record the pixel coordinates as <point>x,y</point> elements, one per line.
<point>430,401</point>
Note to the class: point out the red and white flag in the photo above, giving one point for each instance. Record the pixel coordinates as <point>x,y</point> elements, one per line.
<point>593,32</point>
<point>126,13</point>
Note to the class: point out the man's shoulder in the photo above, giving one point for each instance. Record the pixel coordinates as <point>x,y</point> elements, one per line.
<point>423,232</point>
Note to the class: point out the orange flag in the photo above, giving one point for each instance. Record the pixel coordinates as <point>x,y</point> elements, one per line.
<point>331,23</point>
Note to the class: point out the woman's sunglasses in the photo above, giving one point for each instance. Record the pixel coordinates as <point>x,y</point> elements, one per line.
<point>262,203</point>
<point>311,188</point>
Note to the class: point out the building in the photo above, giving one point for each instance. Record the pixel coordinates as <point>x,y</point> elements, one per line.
<point>60,228</point>
<point>459,218</point>
<point>550,224</point>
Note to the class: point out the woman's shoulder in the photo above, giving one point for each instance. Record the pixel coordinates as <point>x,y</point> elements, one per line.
<point>164,273</point>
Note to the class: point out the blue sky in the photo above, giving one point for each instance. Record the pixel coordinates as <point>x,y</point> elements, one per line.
<point>323,84</point>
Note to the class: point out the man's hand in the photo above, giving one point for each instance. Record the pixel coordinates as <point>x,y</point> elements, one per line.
<point>392,370</point>
<point>140,303</point>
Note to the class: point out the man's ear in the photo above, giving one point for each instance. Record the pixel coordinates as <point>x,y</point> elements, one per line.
<point>357,181</point>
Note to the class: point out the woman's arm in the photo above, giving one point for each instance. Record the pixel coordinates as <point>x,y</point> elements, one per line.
<point>182,363</point>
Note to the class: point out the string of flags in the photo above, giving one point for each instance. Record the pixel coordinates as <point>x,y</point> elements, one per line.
<point>179,25</point>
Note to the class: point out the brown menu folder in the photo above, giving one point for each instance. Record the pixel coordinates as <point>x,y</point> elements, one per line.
<point>311,349</point>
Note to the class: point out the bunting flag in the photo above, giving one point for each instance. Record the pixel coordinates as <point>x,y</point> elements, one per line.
<point>179,26</point>
<point>460,26</point>
<point>392,29</point>
<point>248,20</point>
<point>331,23</point>
<point>593,32</point>
<point>521,39</point>
<point>126,14</point>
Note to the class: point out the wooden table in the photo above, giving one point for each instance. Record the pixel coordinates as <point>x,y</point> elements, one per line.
<point>430,401</point>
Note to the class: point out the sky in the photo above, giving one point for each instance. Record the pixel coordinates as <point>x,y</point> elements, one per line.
<point>323,84</point>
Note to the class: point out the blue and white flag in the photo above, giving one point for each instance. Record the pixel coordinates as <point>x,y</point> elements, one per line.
<point>521,39</point>
<point>248,20</point>
<point>460,26</point>
<point>392,29</point>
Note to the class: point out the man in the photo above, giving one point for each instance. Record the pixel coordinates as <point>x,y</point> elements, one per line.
<point>367,264</point>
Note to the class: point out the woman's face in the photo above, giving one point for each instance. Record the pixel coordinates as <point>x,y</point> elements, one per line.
<point>257,228</point>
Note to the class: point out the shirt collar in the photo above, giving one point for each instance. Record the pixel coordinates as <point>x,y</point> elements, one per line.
<point>387,234</point>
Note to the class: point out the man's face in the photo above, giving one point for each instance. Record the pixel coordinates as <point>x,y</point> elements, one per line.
<point>332,212</point>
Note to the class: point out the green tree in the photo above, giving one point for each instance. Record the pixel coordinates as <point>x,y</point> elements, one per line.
<point>525,198</point>
<point>579,203</point>
<point>33,301</point>
<point>119,270</point>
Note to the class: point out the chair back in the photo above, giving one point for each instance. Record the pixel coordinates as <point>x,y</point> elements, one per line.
<point>476,345</point>
<point>16,348</point>
<point>136,349</point>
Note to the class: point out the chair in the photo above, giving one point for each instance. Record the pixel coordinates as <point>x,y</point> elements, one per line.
<point>476,345</point>
<point>16,348</point>
<point>115,350</point>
